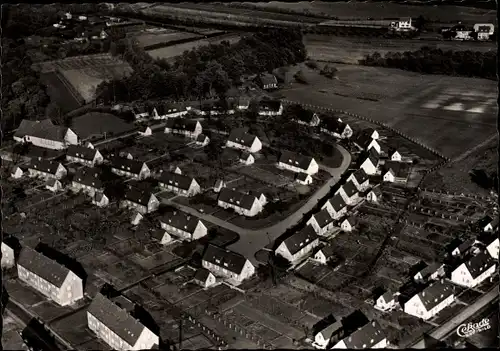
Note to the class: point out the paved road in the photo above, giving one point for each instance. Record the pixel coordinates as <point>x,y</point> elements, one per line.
<point>252,240</point>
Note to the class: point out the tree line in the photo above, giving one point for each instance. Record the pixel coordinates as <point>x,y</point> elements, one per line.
<point>436,61</point>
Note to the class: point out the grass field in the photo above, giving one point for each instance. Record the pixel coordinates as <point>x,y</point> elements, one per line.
<point>60,92</point>
<point>155,36</point>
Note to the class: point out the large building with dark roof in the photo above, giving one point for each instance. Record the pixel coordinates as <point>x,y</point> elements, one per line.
<point>298,163</point>
<point>49,277</point>
<point>227,264</point>
<point>84,155</point>
<point>243,204</point>
<point>430,301</point>
<point>183,225</point>
<point>188,127</point>
<point>45,134</point>
<point>46,169</point>
<point>299,244</point>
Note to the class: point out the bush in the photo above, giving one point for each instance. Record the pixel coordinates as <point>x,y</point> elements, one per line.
<point>312,64</point>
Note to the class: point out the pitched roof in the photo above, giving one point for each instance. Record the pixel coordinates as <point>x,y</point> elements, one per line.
<point>300,239</point>
<point>323,218</point>
<point>295,160</point>
<point>376,191</point>
<point>137,196</point>
<point>166,108</point>
<point>302,176</point>
<point>99,196</point>
<point>480,263</point>
<point>267,78</point>
<point>432,295</point>
<point>269,105</point>
<point>89,177</point>
<point>465,245</point>
<point>125,164</point>
<point>51,182</point>
<point>337,202</point>
<point>44,129</point>
<point>140,109</point>
<point>430,269</point>
<point>43,266</point>
<point>374,159</point>
<point>306,115</point>
<point>365,337</point>
<point>181,220</point>
<point>182,124</point>
<point>330,329</point>
<point>43,165</point>
<point>245,155</point>
<point>349,188</point>
<point>180,181</point>
<point>236,198</point>
<point>392,151</point>
<point>116,319</point>
<point>81,152</point>
<point>242,137</point>
<point>332,124</point>
<point>202,274</point>
<point>201,138</point>
<point>360,176</point>
<point>363,140</point>
<point>387,296</point>
<point>229,260</point>
<point>351,219</point>
<point>399,169</point>
<point>368,132</point>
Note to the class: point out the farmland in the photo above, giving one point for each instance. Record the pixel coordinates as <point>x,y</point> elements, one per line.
<point>155,36</point>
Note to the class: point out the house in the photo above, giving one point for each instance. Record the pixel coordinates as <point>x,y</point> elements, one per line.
<point>463,248</point>
<point>147,132</point>
<point>385,302</point>
<point>188,127</point>
<point>88,180</point>
<point>308,118</point>
<point>50,278</point>
<point>140,112</point>
<point>360,179</point>
<point>130,168</point>
<point>395,172</point>
<point>493,248</point>
<point>370,163</point>
<point>431,300</point>
<point>267,81</point>
<point>394,155</point>
<point>349,193</point>
<point>474,271</point>
<point>183,225</point>
<point>53,185</point>
<point>45,134</point>
<point>243,103</point>
<point>488,224</point>
<point>219,184</point>
<point>243,204</point>
<point>375,195</point>
<point>204,278</point>
<point>299,244</point>
<point>8,256</point>
<point>241,139</point>
<point>178,183</point>
<point>365,143</point>
<point>202,140</point>
<point>484,30</point>
<point>270,108</point>
<point>324,254</point>
<point>323,337</point>
<point>84,155</point>
<point>136,218</point>
<point>336,206</point>
<point>402,25</point>
<point>141,201</point>
<point>117,327</point>
<point>434,271</point>
<point>168,110</point>
<point>371,133</point>
<point>46,169</point>
<point>303,178</point>
<point>370,336</point>
<point>336,128</point>
<point>246,158</point>
<point>322,222</point>
<point>100,199</point>
<point>126,155</point>
<point>227,264</point>
<point>298,163</point>
<point>163,237</point>
<point>348,224</point>
<point>16,172</point>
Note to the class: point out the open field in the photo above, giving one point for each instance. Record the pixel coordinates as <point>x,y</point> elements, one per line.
<point>406,101</point>
<point>59,92</point>
<point>155,36</point>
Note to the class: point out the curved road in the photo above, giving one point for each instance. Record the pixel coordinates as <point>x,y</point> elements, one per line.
<point>253,240</point>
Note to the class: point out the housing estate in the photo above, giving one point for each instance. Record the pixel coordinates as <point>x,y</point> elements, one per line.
<point>336,206</point>
<point>348,224</point>
<point>371,133</point>
<point>141,201</point>
<point>299,244</point>
<point>324,254</point>
<point>227,264</point>
<point>186,127</point>
<point>241,139</point>
<point>474,270</point>
<point>84,155</point>
<point>243,204</point>
<point>322,222</point>
<point>431,300</point>
<point>88,180</point>
<point>123,166</point>
<point>246,158</point>
<point>45,134</point>
<point>183,225</point>
<point>333,330</point>
<point>336,128</point>
<point>179,184</point>
<point>298,163</point>
<point>394,155</point>
<point>53,185</point>
<point>46,169</point>
<point>370,336</point>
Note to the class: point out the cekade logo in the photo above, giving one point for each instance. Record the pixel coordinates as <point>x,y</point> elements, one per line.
<point>469,329</point>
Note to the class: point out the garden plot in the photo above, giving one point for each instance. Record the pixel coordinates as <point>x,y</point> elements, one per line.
<point>314,272</point>
<point>261,172</point>
<point>157,260</point>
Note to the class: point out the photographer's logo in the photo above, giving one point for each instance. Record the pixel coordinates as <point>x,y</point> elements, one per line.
<point>469,329</point>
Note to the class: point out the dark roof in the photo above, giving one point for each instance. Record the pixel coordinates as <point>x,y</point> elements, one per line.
<point>230,260</point>
<point>180,181</point>
<point>302,176</point>
<point>166,108</point>
<point>181,220</point>
<point>182,124</point>
<point>201,138</point>
<point>201,274</point>
<point>399,169</point>
<point>88,176</point>
<point>337,202</point>
<point>266,79</point>
<point>387,296</point>
<point>351,219</point>
<point>269,105</point>
<point>99,196</point>
<point>306,115</point>
<point>43,165</point>
<point>116,319</point>
<point>323,218</point>
<point>392,151</point>
<point>365,337</point>
<point>331,328</point>
<point>125,164</point>
<point>99,124</point>
<point>374,159</point>
<point>349,188</point>
<point>300,239</point>
<point>435,293</point>
<point>51,182</point>
<point>332,124</point>
<point>464,246</point>
<point>137,196</point>
<point>81,152</point>
<point>236,198</point>
<point>241,136</point>
<point>360,176</point>
<point>377,191</point>
<point>478,264</point>
<point>43,266</point>
<point>245,155</point>
<point>363,140</point>
<point>140,109</point>
<point>427,271</point>
<point>368,132</point>
<point>487,238</point>
<point>296,160</point>
<point>44,129</point>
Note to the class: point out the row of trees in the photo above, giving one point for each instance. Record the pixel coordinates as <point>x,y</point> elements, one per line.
<point>436,61</point>
<point>201,72</point>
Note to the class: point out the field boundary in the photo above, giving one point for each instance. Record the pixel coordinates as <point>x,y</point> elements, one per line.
<point>69,86</point>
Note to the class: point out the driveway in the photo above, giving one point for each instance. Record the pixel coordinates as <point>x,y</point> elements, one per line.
<point>252,240</point>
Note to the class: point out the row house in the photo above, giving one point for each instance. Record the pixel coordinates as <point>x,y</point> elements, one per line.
<point>336,128</point>
<point>162,236</point>
<point>303,178</point>
<point>431,272</point>
<point>349,193</point>
<point>374,195</point>
<point>246,158</point>
<point>474,270</point>
<point>348,224</point>
<point>45,134</point>
<point>204,278</point>
<point>430,301</point>
<point>135,169</point>
<point>179,184</point>
<point>46,169</point>
<point>243,204</point>
<point>308,118</point>
<point>8,255</point>
<point>187,127</point>
<point>84,155</point>
<point>183,225</point>
<point>322,222</point>
<point>49,277</point>
<point>242,140</point>
<point>270,108</point>
<point>365,143</point>
<point>360,179</point>
<point>370,336</point>
<point>370,163</point>
<point>395,172</point>
<point>298,245</point>
<point>141,201</point>
<point>202,140</point>
<point>53,185</point>
<point>336,206</point>
<point>324,254</point>
<point>298,163</point>
<point>168,110</point>
<point>218,108</point>
<point>385,302</point>
<point>394,155</point>
<point>227,264</point>
<point>87,180</point>
<point>117,327</point>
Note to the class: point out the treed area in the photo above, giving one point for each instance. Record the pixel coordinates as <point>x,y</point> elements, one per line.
<point>436,61</point>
